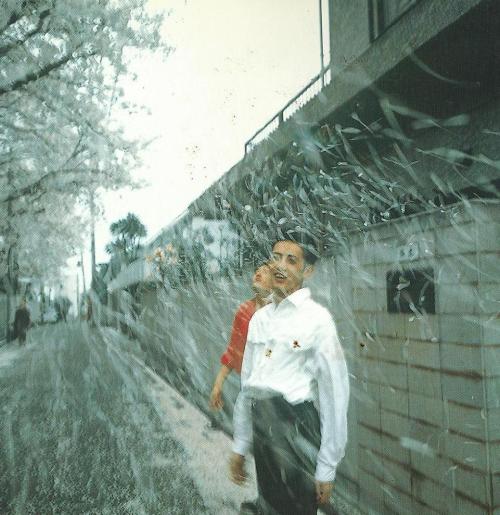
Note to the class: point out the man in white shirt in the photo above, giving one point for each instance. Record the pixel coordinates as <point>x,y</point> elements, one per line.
<point>294,392</point>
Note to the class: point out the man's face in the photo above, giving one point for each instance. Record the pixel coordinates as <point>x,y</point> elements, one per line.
<point>289,268</point>
<point>262,280</point>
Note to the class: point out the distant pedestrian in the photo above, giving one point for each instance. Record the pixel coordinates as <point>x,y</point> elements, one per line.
<point>89,317</point>
<point>66,304</point>
<point>22,322</point>
<point>62,305</point>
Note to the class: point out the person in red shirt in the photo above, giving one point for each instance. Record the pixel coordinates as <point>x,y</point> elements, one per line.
<point>233,356</point>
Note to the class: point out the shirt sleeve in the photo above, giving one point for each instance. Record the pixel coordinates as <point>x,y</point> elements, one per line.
<point>233,355</point>
<point>242,413</point>
<point>333,392</point>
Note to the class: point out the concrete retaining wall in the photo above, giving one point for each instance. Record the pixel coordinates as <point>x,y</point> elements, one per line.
<point>425,387</point>
<point>425,403</point>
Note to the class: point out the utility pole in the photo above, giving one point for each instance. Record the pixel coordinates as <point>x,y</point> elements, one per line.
<point>92,238</point>
<point>322,57</point>
<point>11,261</point>
<point>83,271</point>
<point>42,302</point>
<point>77,295</point>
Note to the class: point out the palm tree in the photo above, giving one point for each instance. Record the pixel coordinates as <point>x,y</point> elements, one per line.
<point>128,233</point>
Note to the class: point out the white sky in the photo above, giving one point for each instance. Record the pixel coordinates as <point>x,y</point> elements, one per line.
<point>236,63</point>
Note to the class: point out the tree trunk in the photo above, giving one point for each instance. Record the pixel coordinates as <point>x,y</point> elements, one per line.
<point>11,261</point>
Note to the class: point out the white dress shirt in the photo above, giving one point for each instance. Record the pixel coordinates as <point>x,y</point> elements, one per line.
<point>293,350</point>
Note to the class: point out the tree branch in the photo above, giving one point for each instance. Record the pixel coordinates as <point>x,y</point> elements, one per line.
<point>15,17</point>
<point>32,188</point>
<point>25,211</point>
<point>44,71</point>
<point>4,50</point>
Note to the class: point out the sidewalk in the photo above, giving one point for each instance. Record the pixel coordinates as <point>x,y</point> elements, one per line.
<point>126,441</point>
<point>208,452</point>
<point>8,353</point>
<point>82,431</point>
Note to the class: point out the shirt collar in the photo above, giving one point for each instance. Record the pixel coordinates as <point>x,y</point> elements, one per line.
<point>297,297</point>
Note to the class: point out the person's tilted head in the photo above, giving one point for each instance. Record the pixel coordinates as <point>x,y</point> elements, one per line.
<point>262,280</point>
<point>291,263</point>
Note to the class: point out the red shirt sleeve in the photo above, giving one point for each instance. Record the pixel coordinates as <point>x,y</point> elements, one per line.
<point>233,356</point>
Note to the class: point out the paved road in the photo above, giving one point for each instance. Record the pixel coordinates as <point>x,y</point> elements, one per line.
<point>81,431</point>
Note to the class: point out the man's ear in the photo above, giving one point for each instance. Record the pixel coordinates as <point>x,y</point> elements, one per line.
<point>308,271</point>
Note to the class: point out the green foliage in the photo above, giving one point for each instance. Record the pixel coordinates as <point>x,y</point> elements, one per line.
<point>128,233</point>
<point>60,91</point>
<point>329,183</point>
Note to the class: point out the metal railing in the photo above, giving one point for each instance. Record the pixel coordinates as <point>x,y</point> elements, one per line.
<point>305,95</point>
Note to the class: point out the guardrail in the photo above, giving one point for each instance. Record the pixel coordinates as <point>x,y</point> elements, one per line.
<point>311,90</point>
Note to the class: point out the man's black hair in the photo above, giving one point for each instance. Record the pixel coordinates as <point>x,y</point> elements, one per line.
<point>306,241</point>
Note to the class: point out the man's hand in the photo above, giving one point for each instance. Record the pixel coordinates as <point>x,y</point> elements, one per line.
<point>323,491</point>
<point>237,468</point>
<point>216,402</point>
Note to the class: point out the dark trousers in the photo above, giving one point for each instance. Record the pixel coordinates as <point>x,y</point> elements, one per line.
<point>286,442</point>
<point>21,336</point>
